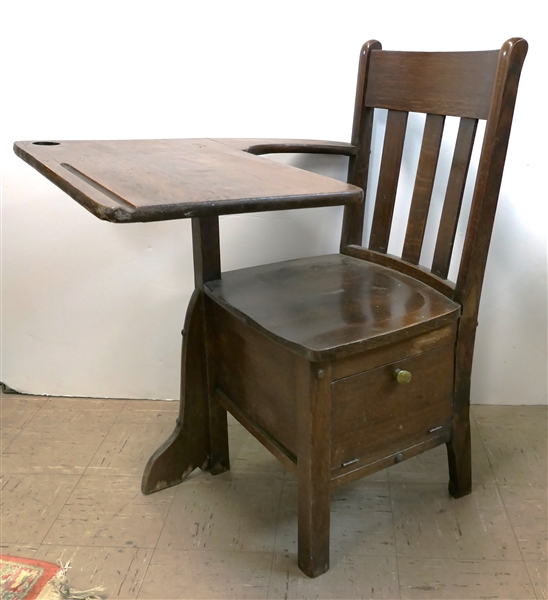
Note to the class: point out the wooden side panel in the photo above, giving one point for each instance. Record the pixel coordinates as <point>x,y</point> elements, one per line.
<point>256,374</point>
<point>443,83</point>
<point>373,415</point>
<point>288,460</point>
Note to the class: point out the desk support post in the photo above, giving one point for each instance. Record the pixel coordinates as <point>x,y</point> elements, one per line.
<point>200,438</point>
<point>207,267</point>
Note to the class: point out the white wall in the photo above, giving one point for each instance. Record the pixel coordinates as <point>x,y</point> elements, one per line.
<point>95,309</point>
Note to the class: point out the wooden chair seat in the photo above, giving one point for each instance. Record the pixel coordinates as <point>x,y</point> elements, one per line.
<point>326,307</point>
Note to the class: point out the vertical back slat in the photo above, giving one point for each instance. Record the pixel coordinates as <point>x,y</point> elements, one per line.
<point>394,137</point>
<point>422,193</point>
<point>453,197</point>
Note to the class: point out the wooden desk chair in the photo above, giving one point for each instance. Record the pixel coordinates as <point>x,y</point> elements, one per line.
<point>345,364</point>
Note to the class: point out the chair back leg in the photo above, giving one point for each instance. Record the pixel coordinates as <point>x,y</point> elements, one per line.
<point>459,450</point>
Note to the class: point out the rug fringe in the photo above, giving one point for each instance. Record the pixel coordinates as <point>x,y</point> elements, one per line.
<point>66,593</point>
<point>61,586</point>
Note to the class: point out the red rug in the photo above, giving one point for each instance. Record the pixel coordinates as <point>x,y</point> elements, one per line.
<point>29,579</point>
<point>24,578</point>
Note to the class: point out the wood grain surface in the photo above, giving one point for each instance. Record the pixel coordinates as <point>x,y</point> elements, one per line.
<point>151,180</point>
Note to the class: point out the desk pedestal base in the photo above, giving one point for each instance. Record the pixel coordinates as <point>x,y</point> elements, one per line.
<point>188,447</point>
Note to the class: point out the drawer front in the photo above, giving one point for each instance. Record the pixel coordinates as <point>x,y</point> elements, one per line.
<point>373,415</point>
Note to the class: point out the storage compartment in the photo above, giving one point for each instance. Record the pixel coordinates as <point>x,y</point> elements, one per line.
<point>373,415</point>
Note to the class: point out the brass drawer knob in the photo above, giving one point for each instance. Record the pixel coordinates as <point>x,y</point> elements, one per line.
<point>402,376</point>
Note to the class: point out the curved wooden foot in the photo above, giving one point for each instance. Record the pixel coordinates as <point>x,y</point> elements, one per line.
<point>173,462</point>
<point>188,446</point>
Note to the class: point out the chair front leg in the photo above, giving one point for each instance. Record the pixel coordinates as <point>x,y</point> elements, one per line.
<point>314,467</point>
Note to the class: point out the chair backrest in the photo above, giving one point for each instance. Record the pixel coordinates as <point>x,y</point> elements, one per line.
<point>471,85</point>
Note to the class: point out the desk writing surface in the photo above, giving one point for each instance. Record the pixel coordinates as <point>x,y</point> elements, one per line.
<point>150,180</point>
